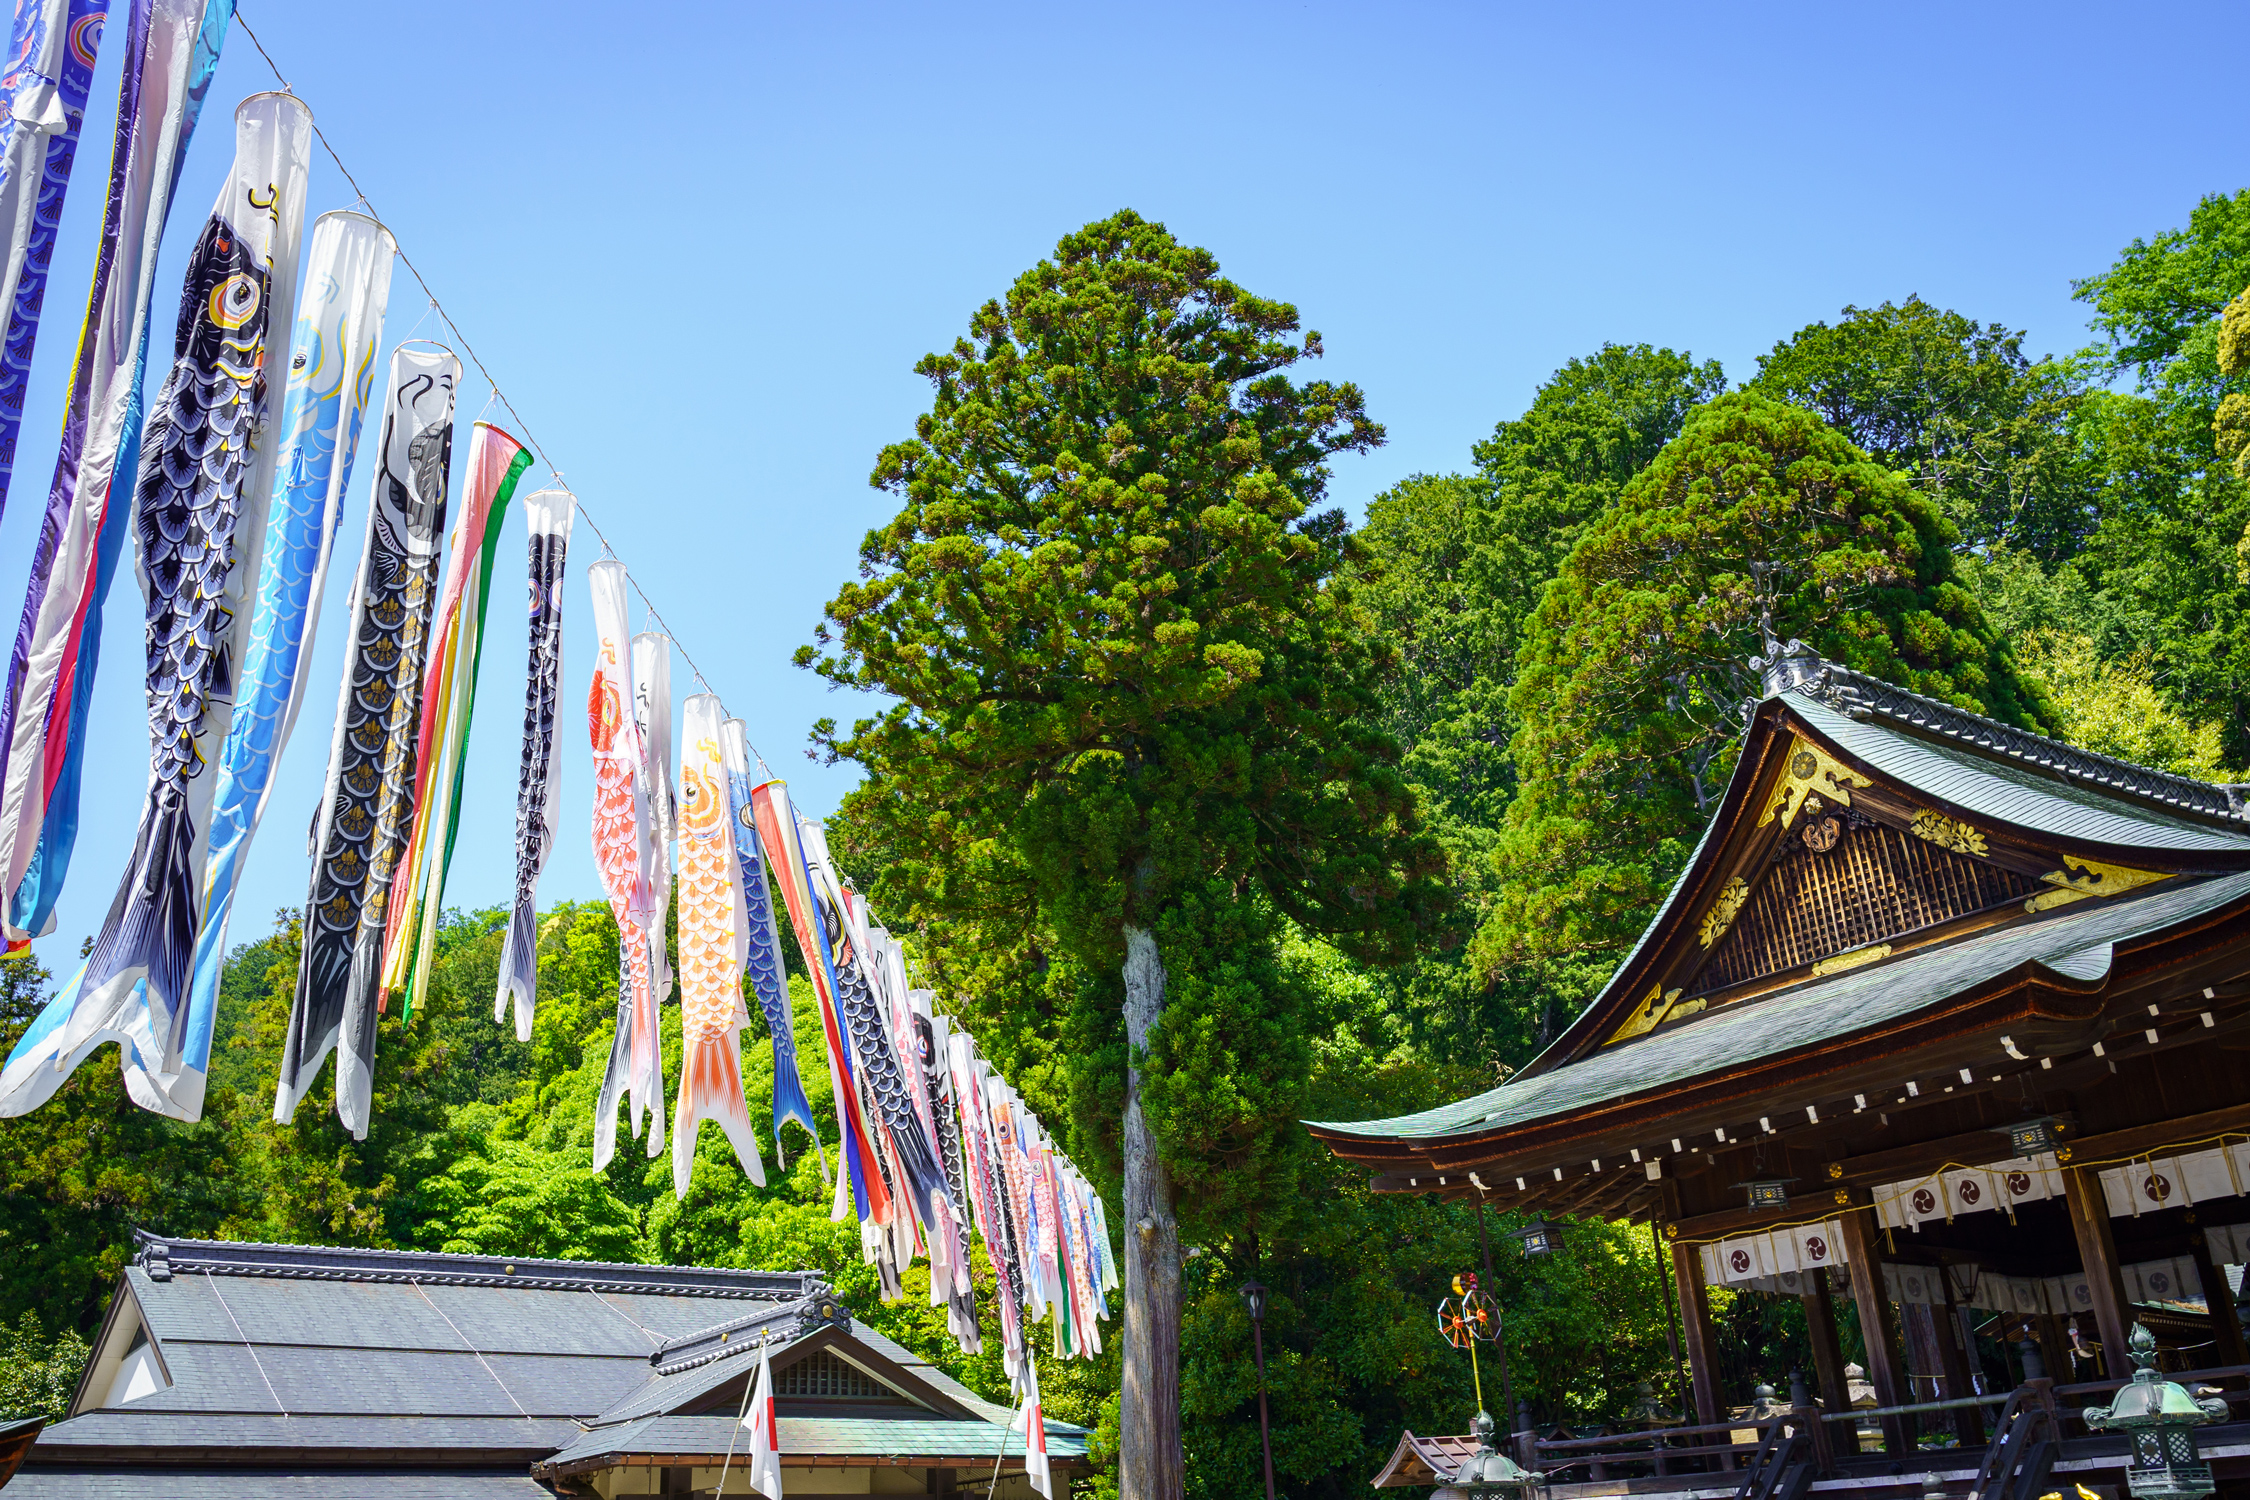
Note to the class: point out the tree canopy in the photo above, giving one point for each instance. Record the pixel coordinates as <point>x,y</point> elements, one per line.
<point>1759,522</point>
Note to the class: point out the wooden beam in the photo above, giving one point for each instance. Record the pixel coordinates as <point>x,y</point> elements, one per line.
<point>1695,1329</point>
<point>1885,1367</point>
<point>2097,1255</point>
<point>2139,1140</point>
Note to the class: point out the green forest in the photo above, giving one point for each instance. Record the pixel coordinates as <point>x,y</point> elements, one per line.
<point>1423,779</point>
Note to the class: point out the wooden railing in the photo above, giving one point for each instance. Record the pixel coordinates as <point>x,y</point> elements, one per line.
<point>1711,1446</point>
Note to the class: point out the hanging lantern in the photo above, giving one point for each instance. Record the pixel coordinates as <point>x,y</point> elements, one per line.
<point>2160,1418</point>
<point>1539,1238</point>
<point>2032,1137</point>
<point>1770,1192</point>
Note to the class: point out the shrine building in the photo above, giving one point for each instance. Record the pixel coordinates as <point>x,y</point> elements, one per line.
<point>1942,1016</point>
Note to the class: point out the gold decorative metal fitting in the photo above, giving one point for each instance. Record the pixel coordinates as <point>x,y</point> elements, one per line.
<point>1948,833</point>
<point>1810,771</point>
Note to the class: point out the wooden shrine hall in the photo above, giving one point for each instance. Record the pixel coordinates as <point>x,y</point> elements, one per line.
<point>1942,1016</point>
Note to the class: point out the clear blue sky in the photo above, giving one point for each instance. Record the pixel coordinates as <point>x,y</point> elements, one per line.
<point>702,246</point>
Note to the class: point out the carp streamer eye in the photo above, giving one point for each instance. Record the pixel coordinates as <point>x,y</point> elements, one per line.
<point>234,301</point>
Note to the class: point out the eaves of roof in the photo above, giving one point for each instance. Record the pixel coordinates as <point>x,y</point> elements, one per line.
<point>2076,945</point>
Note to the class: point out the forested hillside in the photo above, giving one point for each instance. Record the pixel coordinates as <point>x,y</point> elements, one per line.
<point>1562,627</point>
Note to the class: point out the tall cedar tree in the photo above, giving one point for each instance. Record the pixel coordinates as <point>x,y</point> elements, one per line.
<point>1109,618</point>
<point>1634,674</point>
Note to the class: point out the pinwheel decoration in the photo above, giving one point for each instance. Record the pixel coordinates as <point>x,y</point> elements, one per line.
<point>1467,1318</point>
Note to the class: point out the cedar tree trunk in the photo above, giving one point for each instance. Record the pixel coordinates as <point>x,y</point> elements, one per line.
<point>1149,1464</point>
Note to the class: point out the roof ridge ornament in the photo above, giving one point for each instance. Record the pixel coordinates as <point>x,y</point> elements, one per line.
<point>1790,668</point>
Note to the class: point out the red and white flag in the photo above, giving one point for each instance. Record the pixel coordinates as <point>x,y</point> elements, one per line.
<point>1032,1422</point>
<point>765,1432</point>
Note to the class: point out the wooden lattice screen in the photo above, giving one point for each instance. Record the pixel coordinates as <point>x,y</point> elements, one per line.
<point>1874,884</point>
<point>823,1375</point>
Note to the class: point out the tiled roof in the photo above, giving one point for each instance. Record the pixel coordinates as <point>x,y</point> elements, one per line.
<point>419,1374</point>
<point>2075,942</point>
<point>164,1255</point>
<point>1796,670</point>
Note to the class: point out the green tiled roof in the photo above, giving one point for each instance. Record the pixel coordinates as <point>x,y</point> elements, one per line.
<point>2075,942</point>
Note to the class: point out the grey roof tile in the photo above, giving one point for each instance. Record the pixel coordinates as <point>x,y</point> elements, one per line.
<point>131,1426</point>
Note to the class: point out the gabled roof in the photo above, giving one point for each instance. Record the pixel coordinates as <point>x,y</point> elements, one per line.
<point>1421,1461</point>
<point>2038,858</point>
<point>425,1369</point>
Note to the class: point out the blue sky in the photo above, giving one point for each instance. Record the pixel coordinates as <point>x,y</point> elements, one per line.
<point>701,247</point>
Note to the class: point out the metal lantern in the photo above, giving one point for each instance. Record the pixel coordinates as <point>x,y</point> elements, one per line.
<point>1254,1298</point>
<point>2159,1417</point>
<point>1770,1193</point>
<point>2034,1136</point>
<point>1539,1238</point>
<point>1488,1471</point>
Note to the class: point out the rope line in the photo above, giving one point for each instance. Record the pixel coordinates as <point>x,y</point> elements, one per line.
<point>646,1331</point>
<point>278,1404</point>
<point>523,427</point>
<point>495,1374</point>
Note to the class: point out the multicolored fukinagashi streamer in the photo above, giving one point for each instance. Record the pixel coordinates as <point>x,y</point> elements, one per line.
<point>548,516</point>
<point>369,802</point>
<point>171,54</point>
<point>50,65</point>
<point>449,692</point>
<point>331,375</point>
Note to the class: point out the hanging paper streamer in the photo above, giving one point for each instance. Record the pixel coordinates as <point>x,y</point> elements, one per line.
<point>950,1284</point>
<point>199,502</point>
<point>761,940</point>
<point>548,516</point>
<point>50,66</point>
<point>449,691</point>
<point>777,834</point>
<point>331,372</point>
<point>172,51</point>
<point>623,836</point>
<point>652,714</point>
<point>369,802</point>
<point>711,1013</point>
<point>986,1195</point>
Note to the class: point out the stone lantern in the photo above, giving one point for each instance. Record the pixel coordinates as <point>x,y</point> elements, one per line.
<point>2159,1417</point>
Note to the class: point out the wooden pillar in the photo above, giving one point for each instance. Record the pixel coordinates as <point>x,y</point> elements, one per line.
<point>1954,1364</point>
<point>2097,1254</point>
<point>1695,1326</point>
<point>1885,1367</point>
<point>1828,1364</point>
<point>2054,1347</point>
<point>2226,1330</point>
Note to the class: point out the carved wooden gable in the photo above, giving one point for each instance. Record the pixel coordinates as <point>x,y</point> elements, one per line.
<point>1841,870</point>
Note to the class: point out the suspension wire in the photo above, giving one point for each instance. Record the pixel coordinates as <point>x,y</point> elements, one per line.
<point>523,427</point>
